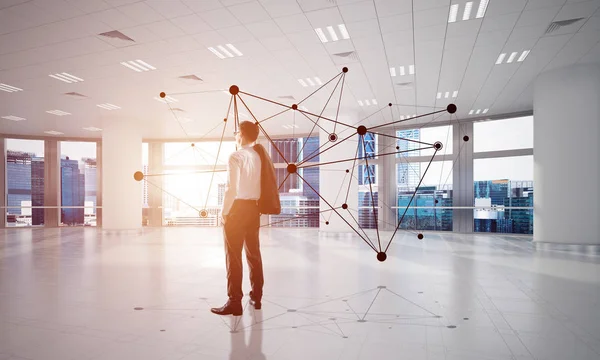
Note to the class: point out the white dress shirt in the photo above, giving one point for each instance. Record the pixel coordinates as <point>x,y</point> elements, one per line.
<point>243,177</point>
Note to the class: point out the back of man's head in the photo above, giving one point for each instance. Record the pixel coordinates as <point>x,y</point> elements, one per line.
<point>249,130</point>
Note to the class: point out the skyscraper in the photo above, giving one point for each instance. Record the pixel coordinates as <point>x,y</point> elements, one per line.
<point>37,190</point>
<point>72,192</point>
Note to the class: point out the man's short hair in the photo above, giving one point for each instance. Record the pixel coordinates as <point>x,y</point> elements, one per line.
<point>249,130</point>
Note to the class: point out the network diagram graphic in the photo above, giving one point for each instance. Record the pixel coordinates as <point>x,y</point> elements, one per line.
<point>239,102</point>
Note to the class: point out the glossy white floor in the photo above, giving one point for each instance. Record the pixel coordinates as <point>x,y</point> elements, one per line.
<point>72,294</point>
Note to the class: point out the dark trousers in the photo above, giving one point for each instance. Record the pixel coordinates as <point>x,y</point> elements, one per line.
<point>241,230</point>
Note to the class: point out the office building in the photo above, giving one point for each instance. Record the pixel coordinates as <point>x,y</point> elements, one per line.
<point>437,165</point>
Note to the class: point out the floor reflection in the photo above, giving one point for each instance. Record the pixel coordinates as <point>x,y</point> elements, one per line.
<point>253,350</point>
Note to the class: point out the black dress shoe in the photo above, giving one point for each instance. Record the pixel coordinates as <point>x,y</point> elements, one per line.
<point>230,308</point>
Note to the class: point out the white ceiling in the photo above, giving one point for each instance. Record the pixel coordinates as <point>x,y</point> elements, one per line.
<point>279,46</point>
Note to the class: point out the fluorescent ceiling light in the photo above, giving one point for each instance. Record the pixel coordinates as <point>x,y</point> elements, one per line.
<point>91,128</point>
<point>225,51</point>
<point>500,59</point>
<point>471,112</point>
<point>321,35</point>
<point>467,13</point>
<point>523,55</point>
<point>393,71</point>
<point>455,93</point>
<point>402,117</point>
<point>9,88</point>
<point>343,31</point>
<point>332,33</point>
<point>439,95</point>
<point>318,81</point>
<point>66,77</point>
<point>402,71</point>
<point>511,57</point>
<point>52,132</point>
<point>482,7</point>
<point>302,82</point>
<point>304,108</point>
<point>411,69</point>
<point>447,94</point>
<point>374,102</point>
<point>310,82</point>
<point>214,51</point>
<point>367,102</point>
<point>58,112</point>
<point>138,65</point>
<point>453,13</point>
<point>478,112</point>
<point>485,111</point>
<point>13,118</point>
<point>108,106</point>
<point>290,126</point>
<point>166,100</point>
<point>360,103</point>
<point>234,49</point>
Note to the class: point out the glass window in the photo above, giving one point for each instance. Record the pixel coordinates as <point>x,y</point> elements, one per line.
<point>193,182</point>
<point>24,182</point>
<point>428,135</point>
<point>299,203</point>
<point>427,209</point>
<point>509,134</point>
<point>367,182</point>
<point>500,184</point>
<point>78,179</point>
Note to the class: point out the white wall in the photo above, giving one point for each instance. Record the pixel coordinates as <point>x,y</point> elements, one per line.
<point>567,156</point>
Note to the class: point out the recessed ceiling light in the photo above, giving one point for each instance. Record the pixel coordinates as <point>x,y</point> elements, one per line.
<point>523,55</point>
<point>478,111</point>
<point>290,126</point>
<point>482,7</point>
<point>468,8</point>
<point>66,77</point>
<point>166,99</point>
<point>511,57</point>
<point>360,103</point>
<point>52,132</point>
<point>402,70</point>
<point>374,102</point>
<point>500,58</point>
<point>446,94</point>
<point>138,65</point>
<point>9,88</point>
<point>13,118</point>
<point>332,33</point>
<point>406,117</point>
<point>453,13</point>
<point>367,102</point>
<point>314,81</point>
<point>91,128</point>
<point>58,112</point>
<point>227,51</point>
<point>108,106</point>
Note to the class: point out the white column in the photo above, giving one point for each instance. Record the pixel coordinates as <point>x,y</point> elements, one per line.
<point>566,150</point>
<point>3,186</point>
<point>121,193</point>
<point>334,181</point>
<point>462,177</point>
<point>387,183</point>
<point>155,195</point>
<point>52,183</point>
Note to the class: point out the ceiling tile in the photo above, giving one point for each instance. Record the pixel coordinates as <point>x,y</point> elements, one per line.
<point>395,23</point>
<point>264,29</point>
<point>89,6</point>
<point>304,38</point>
<point>386,8</point>
<point>577,10</point>
<point>169,9</point>
<point>293,23</point>
<point>236,34</point>
<point>210,38</point>
<point>358,11</point>
<point>199,6</point>
<point>538,17</point>
<point>141,13</point>
<point>165,29</point>
<point>499,22</point>
<point>432,17</point>
<point>276,43</point>
<point>60,8</point>
<point>496,8</point>
<point>220,18</point>
<point>278,8</point>
<point>324,18</point>
<point>191,24</point>
<point>114,18</point>
<point>312,5</point>
<point>540,4</point>
<point>249,12</point>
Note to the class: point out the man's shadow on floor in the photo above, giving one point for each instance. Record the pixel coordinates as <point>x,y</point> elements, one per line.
<point>239,349</point>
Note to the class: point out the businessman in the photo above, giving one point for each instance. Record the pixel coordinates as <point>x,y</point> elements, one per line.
<point>241,220</point>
